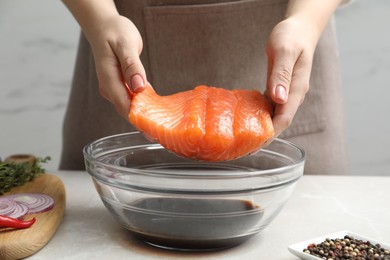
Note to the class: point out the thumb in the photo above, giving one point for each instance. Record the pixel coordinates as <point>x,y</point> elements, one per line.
<point>280,70</point>
<point>133,73</point>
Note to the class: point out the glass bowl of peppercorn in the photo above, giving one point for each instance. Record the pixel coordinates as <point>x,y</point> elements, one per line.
<point>182,204</point>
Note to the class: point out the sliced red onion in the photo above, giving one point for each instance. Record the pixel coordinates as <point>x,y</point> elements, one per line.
<point>20,204</point>
<point>19,211</point>
<point>36,202</point>
<point>11,208</point>
<point>7,206</point>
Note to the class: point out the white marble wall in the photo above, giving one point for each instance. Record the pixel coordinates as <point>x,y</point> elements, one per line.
<point>38,41</point>
<point>364,40</point>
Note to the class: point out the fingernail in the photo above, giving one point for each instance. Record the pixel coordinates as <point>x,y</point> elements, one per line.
<point>137,83</point>
<point>280,92</point>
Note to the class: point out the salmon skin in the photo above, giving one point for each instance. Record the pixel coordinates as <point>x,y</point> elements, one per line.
<point>205,123</point>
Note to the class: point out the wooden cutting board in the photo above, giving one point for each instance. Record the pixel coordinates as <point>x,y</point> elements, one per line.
<point>20,243</point>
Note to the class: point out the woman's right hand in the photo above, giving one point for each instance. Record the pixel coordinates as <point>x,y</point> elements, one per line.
<point>116,46</point>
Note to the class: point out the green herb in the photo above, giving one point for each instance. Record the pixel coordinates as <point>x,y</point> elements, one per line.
<point>15,174</point>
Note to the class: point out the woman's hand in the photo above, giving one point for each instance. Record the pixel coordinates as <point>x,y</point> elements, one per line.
<point>290,49</point>
<point>116,46</point>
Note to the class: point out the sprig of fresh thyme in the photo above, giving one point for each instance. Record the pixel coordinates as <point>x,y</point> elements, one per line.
<point>15,174</point>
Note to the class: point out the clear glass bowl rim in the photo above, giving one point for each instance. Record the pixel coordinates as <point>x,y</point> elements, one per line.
<point>170,174</point>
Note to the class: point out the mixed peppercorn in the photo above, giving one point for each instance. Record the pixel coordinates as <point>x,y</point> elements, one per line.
<point>348,248</point>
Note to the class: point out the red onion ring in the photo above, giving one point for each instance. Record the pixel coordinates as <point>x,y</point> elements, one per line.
<point>17,205</point>
<point>11,208</point>
<point>7,206</point>
<point>19,211</point>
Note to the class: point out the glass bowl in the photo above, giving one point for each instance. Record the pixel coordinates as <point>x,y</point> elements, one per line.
<point>182,204</point>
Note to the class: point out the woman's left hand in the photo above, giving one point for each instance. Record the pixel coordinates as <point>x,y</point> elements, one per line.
<point>290,49</point>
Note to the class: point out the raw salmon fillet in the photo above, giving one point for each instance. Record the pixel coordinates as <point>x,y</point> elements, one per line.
<point>206,123</point>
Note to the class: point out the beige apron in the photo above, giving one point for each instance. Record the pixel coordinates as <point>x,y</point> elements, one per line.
<point>212,42</point>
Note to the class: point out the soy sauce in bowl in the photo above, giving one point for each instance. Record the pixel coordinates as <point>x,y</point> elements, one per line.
<point>193,224</point>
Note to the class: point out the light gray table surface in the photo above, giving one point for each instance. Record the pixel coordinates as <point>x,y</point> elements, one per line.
<point>319,205</point>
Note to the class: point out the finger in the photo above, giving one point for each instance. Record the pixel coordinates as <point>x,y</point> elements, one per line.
<point>131,66</point>
<point>281,62</point>
<point>284,113</point>
<point>134,73</point>
<point>111,87</point>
